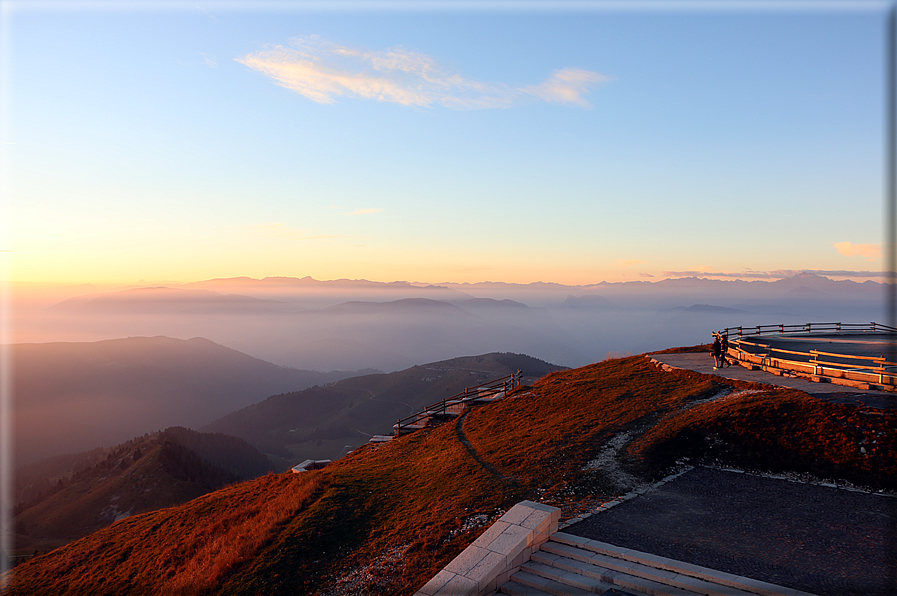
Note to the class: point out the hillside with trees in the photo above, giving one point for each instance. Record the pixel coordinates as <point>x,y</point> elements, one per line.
<point>144,474</point>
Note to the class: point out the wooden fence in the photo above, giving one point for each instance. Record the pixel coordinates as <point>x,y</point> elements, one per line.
<point>806,328</point>
<point>454,405</point>
<point>818,365</point>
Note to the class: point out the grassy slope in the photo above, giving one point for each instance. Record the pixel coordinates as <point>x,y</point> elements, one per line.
<point>325,422</point>
<point>386,518</point>
<point>146,473</point>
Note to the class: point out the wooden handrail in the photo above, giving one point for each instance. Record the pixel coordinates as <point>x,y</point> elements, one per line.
<point>741,331</point>
<point>505,383</point>
<point>813,357</point>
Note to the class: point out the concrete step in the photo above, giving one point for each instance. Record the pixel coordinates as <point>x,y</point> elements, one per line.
<point>545,585</point>
<point>685,575</point>
<point>630,574</point>
<point>613,578</point>
<point>512,588</point>
<point>572,579</point>
<point>569,565</point>
<point>443,413</point>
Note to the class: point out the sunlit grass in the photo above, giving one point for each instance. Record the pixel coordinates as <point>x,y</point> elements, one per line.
<point>400,511</point>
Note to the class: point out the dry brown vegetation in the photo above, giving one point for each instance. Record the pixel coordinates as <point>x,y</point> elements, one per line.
<point>181,550</point>
<point>779,430</point>
<point>387,517</point>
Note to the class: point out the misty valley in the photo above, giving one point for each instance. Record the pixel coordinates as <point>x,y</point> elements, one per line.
<point>131,400</point>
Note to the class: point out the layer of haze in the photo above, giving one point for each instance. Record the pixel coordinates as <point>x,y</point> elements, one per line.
<point>349,325</point>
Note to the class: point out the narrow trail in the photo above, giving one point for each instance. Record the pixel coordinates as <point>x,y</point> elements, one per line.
<point>608,460</point>
<point>459,431</point>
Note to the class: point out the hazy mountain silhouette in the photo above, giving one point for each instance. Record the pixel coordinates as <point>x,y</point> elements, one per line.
<point>71,397</point>
<point>325,422</point>
<point>354,324</point>
<point>164,300</point>
<point>144,474</point>
<point>589,301</point>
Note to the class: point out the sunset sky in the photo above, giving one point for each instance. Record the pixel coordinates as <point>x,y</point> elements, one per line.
<point>179,141</point>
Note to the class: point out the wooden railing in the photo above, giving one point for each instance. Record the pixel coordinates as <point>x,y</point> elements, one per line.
<point>487,390</point>
<point>812,362</point>
<point>806,328</point>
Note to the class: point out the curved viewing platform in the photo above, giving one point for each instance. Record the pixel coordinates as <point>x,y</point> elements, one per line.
<point>856,355</point>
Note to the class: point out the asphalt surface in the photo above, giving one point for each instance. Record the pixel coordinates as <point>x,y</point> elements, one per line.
<point>826,541</point>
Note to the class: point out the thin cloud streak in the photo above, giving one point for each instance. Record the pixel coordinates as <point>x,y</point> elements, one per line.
<point>322,71</point>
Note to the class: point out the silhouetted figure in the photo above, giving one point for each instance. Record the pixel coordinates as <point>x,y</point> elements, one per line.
<point>724,349</point>
<point>716,350</point>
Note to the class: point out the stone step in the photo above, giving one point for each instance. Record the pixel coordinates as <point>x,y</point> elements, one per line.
<point>724,583</point>
<point>442,413</point>
<point>574,579</point>
<point>512,588</point>
<point>547,586</point>
<point>565,569</point>
<point>569,565</point>
<point>595,564</point>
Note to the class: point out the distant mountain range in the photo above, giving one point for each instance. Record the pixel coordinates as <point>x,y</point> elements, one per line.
<point>70,397</point>
<point>356,324</point>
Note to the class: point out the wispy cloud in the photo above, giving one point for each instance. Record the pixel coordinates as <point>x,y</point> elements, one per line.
<point>209,60</point>
<point>208,14</point>
<point>568,85</point>
<point>869,251</point>
<point>365,211</point>
<point>645,275</point>
<point>322,71</point>
<point>282,231</point>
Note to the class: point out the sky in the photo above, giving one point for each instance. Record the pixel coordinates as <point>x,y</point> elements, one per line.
<point>440,142</point>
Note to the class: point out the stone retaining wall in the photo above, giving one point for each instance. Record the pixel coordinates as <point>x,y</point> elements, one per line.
<point>497,554</point>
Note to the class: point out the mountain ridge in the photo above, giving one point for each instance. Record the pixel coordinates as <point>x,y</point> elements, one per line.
<point>141,383</point>
<point>388,517</point>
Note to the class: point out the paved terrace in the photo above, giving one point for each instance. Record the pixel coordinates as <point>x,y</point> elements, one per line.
<point>817,539</point>
<point>703,363</point>
<point>708,531</point>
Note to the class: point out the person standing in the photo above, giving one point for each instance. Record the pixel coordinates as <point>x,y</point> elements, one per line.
<point>716,350</point>
<point>724,349</point>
